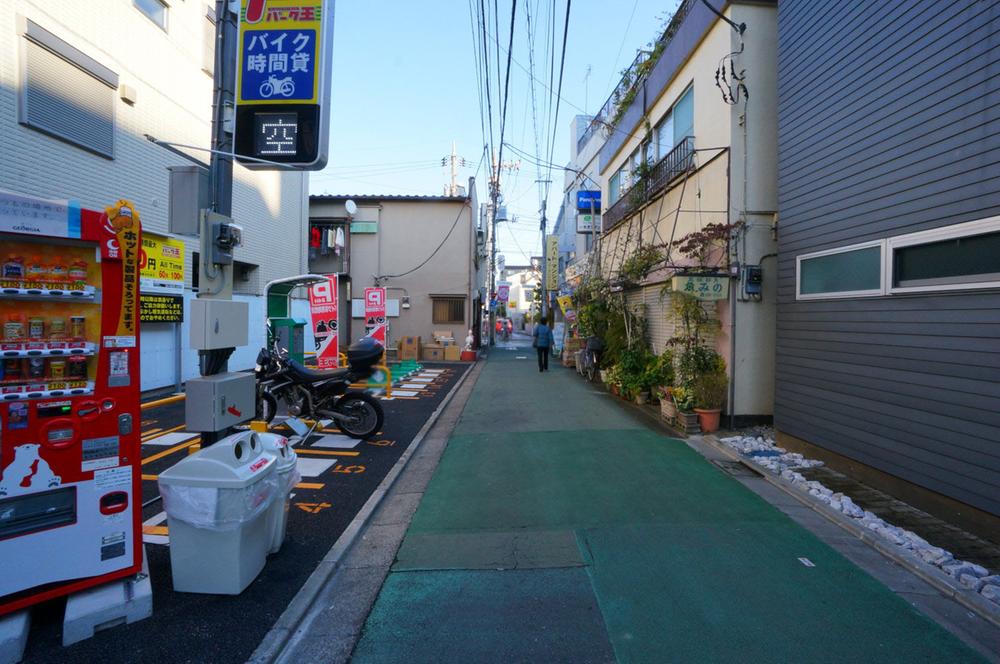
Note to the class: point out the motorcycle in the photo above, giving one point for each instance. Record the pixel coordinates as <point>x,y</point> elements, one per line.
<point>321,394</point>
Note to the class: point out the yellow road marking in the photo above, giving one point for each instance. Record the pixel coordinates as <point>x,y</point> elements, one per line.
<point>171,450</point>
<point>150,432</point>
<point>306,450</point>
<point>309,485</point>
<point>162,402</point>
<point>148,435</point>
<point>154,530</point>
<point>151,478</point>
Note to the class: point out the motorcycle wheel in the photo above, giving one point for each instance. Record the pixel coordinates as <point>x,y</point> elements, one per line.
<point>267,406</point>
<point>591,369</point>
<point>364,415</point>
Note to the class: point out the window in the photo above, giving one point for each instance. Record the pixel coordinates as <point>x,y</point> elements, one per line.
<point>615,187</point>
<point>683,113</point>
<point>65,93</point>
<point>155,10</point>
<point>961,256</point>
<point>665,136</point>
<point>448,310</point>
<point>854,271</point>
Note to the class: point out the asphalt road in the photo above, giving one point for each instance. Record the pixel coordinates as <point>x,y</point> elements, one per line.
<point>337,481</point>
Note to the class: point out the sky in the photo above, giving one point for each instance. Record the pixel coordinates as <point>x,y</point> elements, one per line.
<point>405,87</point>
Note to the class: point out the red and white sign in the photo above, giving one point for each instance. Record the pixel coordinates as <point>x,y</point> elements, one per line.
<point>503,291</point>
<point>375,323</point>
<point>323,298</point>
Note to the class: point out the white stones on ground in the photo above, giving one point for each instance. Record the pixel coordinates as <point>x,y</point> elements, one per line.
<point>785,464</point>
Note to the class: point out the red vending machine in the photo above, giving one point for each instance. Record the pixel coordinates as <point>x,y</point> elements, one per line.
<point>69,398</point>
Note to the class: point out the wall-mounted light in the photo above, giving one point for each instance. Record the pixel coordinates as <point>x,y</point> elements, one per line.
<point>405,302</point>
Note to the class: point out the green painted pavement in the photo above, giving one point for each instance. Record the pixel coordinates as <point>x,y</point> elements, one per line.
<point>684,563</point>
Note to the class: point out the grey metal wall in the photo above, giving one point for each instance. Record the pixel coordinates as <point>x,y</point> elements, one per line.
<point>889,123</point>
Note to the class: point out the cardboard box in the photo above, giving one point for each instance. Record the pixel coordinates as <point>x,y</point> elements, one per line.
<point>409,348</point>
<point>452,353</point>
<point>433,352</point>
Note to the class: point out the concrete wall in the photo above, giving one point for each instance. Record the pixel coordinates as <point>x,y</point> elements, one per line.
<point>173,103</point>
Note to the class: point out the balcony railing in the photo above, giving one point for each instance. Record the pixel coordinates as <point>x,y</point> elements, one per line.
<point>661,174</point>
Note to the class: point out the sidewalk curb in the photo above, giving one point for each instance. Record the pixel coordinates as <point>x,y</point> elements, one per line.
<point>933,576</point>
<point>272,645</point>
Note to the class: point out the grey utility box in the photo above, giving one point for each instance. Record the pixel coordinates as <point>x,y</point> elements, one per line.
<point>216,402</point>
<point>219,324</point>
<point>218,503</point>
<point>189,194</point>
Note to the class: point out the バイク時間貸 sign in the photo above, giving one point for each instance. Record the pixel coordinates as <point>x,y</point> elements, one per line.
<point>283,86</point>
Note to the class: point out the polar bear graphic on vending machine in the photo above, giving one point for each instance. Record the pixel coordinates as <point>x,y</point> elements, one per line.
<point>28,470</point>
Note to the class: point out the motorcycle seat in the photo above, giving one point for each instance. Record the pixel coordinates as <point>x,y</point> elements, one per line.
<point>314,375</point>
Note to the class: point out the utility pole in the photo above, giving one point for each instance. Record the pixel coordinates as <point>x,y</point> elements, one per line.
<point>494,206</point>
<point>223,111</point>
<point>456,161</point>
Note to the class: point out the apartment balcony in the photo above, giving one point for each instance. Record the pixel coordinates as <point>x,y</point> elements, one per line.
<point>664,172</point>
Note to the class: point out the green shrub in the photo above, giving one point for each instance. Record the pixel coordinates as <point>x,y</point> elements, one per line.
<point>710,390</point>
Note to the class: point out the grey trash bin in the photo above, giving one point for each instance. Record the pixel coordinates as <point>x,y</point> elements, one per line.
<point>286,468</point>
<point>217,503</point>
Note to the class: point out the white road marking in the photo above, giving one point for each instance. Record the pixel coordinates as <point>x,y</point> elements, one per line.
<point>168,439</point>
<point>314,467</point>
<point>337,441</point>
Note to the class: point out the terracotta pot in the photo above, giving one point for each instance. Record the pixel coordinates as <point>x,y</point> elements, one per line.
<point>708,419</point>
<point>614,389</point>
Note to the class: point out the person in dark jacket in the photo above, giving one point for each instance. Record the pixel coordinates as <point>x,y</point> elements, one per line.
<point>542,343</point>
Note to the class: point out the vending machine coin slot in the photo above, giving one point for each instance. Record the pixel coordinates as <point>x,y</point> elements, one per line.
<point>60,433</point>
<point>125,424</point>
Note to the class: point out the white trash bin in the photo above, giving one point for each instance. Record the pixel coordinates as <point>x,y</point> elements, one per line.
<point>286,468</point>
<point>217,503</point>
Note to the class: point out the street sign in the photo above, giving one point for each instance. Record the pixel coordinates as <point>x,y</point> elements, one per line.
<point>283,82</point>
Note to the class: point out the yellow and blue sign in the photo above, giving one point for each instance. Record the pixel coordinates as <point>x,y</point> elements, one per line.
<point>282,97</point>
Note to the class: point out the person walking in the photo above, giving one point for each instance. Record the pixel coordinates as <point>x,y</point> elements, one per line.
<point>542,341</point>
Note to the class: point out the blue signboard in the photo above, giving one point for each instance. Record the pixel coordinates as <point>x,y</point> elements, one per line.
<point>587,201</point>
<point>278,65</point>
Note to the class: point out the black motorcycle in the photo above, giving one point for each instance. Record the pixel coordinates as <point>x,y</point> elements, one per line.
<point>322,394</point>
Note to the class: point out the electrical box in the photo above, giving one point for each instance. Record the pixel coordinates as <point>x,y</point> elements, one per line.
<point>753,279</point>
<point>188,197</point>
<point>226,236</point>
<point>218,324</point>
<point>219,401</point>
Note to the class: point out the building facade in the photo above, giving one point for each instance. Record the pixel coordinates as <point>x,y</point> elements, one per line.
<point>681,153</point>
<point>82,84</point>
<point>424,250</point>
<point>577,229</point>
<point>889,251</point>
<point>524,282</point>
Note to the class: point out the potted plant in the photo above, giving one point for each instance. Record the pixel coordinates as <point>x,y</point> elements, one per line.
<point>668,411</point>
<point>709,396</point>
<point>685,419</point>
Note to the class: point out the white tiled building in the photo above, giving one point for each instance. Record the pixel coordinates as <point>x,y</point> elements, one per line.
<point>83,83</point>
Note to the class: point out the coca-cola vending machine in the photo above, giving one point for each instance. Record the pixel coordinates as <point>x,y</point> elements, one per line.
<point>69,398</point>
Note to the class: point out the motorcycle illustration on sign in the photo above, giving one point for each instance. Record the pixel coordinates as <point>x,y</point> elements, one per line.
<point>274,85</point>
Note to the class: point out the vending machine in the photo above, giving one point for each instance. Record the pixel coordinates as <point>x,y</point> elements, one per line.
<point>69,398</point>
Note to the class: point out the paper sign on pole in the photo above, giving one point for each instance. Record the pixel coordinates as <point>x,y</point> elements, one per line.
<point>375,322</point>
<point>323,300</point>
<point>566,304</point>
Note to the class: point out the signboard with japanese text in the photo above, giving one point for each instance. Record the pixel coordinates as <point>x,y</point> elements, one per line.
<point>161,264</point>
<point>323,301</point>
<point>587,223</point>
<point>157,308</point>
<point>552,262</point>
<point>283,86</point>
<point>375,321</point>
<point>568,310</point>
<point>37,216</point>
<point>702,286</point>
<point>123,220</point>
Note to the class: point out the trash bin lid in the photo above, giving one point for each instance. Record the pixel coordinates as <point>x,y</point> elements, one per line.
<point>234,462</point>
<point>278,446</point>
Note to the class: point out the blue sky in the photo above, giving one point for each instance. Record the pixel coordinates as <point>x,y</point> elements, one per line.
<point>405,86</point>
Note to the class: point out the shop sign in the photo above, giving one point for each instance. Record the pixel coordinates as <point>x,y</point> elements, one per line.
<point>552,262</point>
<point>566,305</point>
<point>323,300</point>
<point>38,216</point>
<point>587,223</point>
<point>588,201</point>
<point>503,291</point>
<point>707,287</point>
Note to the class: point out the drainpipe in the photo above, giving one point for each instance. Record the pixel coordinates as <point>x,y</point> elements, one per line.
<point>732,301</point>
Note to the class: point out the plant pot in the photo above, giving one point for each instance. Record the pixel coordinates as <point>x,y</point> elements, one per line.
<point>687,422</point>
<point>615,390</point>
<point>641,398</point>
<point>708,418</point>
<point>604,376</point>
<point>668,411</point>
